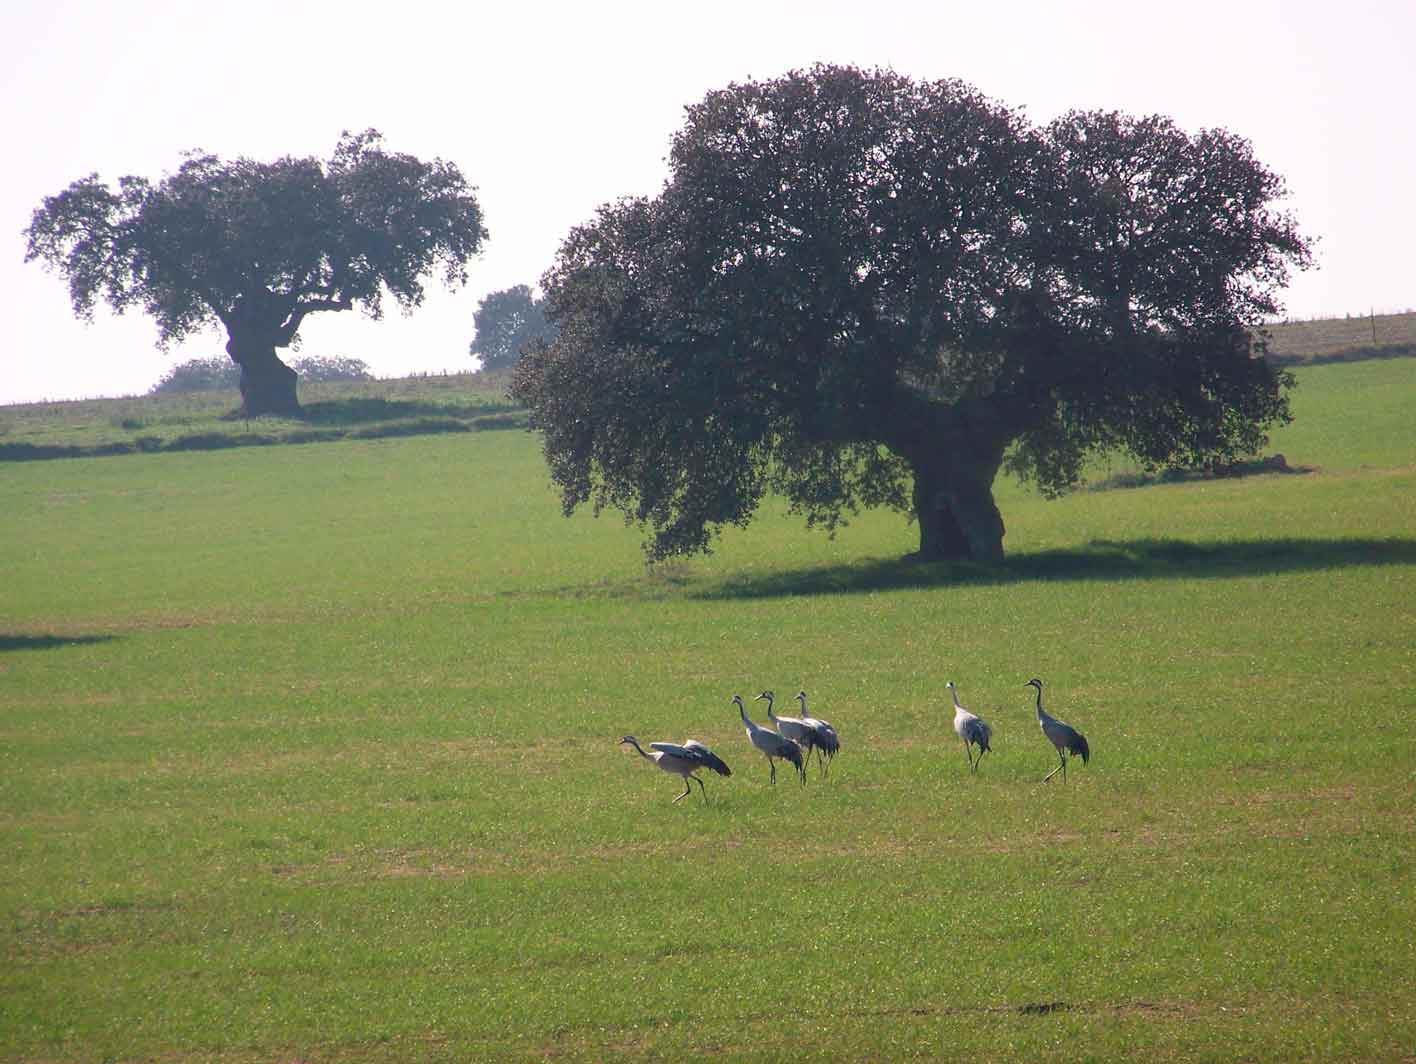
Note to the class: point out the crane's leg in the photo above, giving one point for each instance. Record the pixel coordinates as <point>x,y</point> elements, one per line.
<point>687,790</point>
<point>1061,765</point>
<point>698,781</point>
<point>773,765</point>
<point>968,754</point>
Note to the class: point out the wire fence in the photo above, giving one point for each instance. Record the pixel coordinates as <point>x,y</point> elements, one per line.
<point>1371,312</point>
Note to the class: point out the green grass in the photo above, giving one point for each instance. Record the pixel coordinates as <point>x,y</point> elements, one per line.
<point>309,753</point>
<point>207,420</point>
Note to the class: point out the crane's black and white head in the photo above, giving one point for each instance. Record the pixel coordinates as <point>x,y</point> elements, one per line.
<point>765,696</point>
<point>628,739</point>
<point>737,701</point>
<point>1034,682</point>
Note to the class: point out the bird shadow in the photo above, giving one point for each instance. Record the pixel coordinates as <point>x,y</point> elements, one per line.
<point>11,641</point>
<point>1099,560</point>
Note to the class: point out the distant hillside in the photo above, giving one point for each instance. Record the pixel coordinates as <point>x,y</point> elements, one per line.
<point>1343,339</point>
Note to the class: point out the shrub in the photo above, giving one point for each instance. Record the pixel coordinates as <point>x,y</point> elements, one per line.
<point>316,368</point>
<point>199,375</point>
<point>214,374</point>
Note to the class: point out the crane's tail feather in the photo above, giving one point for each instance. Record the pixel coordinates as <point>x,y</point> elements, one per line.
<point>1079,746</point>
<point>982,734</point>
<point>704,756</point>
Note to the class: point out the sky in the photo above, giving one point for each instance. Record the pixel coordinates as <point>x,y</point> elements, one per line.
<point>552,109</point>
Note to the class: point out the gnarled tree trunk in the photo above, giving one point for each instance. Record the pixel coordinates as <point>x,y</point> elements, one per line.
<point>267,384</point>
<point>953,502</point>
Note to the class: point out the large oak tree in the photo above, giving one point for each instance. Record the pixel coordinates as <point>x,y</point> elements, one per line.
<point>858,289</point>
<point>256,246</point>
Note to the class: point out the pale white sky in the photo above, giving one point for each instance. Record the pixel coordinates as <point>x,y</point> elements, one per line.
<point>551,109</point>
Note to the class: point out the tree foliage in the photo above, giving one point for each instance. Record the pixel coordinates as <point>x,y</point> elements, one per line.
<point>858,289</point>
<point>505,323</point>
<point>255,247</point>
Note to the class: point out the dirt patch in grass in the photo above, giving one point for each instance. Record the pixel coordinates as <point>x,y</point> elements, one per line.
<point>421,864</point>
<point>1345,793</point>
<point>406,868</point>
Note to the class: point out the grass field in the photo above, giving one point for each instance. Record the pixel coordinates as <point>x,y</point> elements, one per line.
<point>1344,339</point>
<point>205,420</point>
<point>309,753</point>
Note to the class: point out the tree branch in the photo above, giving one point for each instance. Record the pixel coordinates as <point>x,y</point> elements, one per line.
<point>291,325</point>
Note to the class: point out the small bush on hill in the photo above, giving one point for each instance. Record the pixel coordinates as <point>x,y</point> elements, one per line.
<point>217,373</point>
<point>199,375</point>
<point>316,368</point>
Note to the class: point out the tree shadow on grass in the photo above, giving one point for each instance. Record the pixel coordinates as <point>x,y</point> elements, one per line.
<point>11,641</point>
<point>342,419</point>
<point>363,411</point>
<point>1141,559</point>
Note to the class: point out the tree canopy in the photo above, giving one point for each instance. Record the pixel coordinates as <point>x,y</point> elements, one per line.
<point>506,322</point>
<point>255,247</point>
<point>858,290</point>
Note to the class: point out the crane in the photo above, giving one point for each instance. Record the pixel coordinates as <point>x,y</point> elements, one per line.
<point>772,744</point>
<point>971,728</point>
<point>825,741</point>
<point>794,728</point>
<point>682,759</point>
<point>1064,737</point>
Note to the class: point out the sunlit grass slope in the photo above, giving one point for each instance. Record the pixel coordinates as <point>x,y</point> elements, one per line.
<point>310,752</point>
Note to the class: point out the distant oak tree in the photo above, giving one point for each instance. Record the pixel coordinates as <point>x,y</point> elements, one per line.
<point>504,323</point>
<point>255,247</point>
<point>856,289</point>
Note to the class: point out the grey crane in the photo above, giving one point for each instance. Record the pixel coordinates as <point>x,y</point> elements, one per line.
<point>971,728</point>
<point>683,759</point>
<point>794,728</point>
<point>824,740</point>
<point>1064,737</point>
<point>773,744</point>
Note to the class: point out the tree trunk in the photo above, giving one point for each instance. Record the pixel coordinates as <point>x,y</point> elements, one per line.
<point>267,384</point>
<point>953,501</point>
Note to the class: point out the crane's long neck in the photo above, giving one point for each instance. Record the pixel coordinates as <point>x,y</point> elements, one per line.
<point>1041,714</point>
<point>954,691</point>
<point>742,712</point>
<point>635,743</point>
